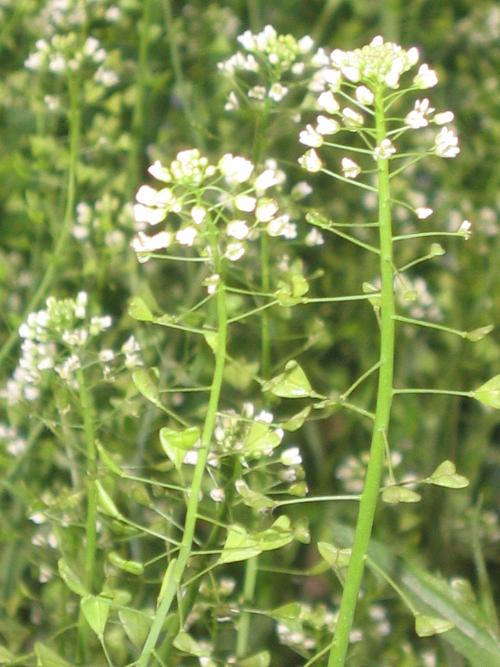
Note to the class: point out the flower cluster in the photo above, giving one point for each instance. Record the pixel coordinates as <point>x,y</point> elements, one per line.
<point>62,53</point>
<point>198,196</point>
<point>271,58</point>
<point>53,340</point>
<point>360,74</point>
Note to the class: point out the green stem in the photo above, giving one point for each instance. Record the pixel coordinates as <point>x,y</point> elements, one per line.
<point>175,575</point>
<point>58,254</point>
<point>251,570</point>
<point>91,520</point>
<point>370,494</point>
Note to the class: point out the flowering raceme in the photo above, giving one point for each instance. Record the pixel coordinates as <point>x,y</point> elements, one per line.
<point>199,195</point>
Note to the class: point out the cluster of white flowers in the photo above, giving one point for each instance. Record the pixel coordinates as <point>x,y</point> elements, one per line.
<point>14,443</point>
<point>377,64</point>
<point>53,340</point>
<point>302,632</point>
<point>200,195</point>
<point>266,52</point>
<point>91,220</point>
<point>61,53</point>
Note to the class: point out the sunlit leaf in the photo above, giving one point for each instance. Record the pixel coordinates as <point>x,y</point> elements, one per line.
<point>177,443</point>
<point>105,503</point>
<point>446,475</point>
<point>239,545</point>
<point>258,501</point>
<point>139,310</point>
<point>185,643</point>
<point>478,334</point>
<point>292,383</point>
<point>46,657</point>
<point>262,659</point>
<point>296,421</point>
<point>146,382</point>
<point>136,625</point>
<point>334,556</point>
<point>131,566</point>
<point>71,578</point>
<point>427,626</point>
<point>276,536</point>
<point>260,440</point>
<point>96,612</point>
<point>107,461</point>
<point>287,612</point>
<point>400,494</point>
<point>489,393</point>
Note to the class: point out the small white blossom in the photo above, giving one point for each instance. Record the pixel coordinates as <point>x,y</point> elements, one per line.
<point>186,236</point>
<point>466,229</point>
<point>277,92</point>
<point>325,125</point>
<point>257,93</point>
<point>143,243</point>
<point>211,283</point>
<point>151,216</point>
<point>310,137</point>
<point>217,495</point>
<point>158,171</point>
<point>418,116</point>
<point>232,102</point>
<point>268,178</point>
<point>198,213</point>
<point>234,251</point>
<point>314,237</point>
<point>422,213</point>
<point>444,117</point>
<point>426,78</point>
<point>352,118</point>
<point>446,144</point>
<point>146,195</point>
<point>305,44</point>
<point>291,457</point>
<point>364,95</point>
<point>385,150</point>
<point>245,203</point>
<point>280,226</point>
<point>301,190</point>
<point>266,209</point>
<point>327,102</point>
<point>235,169</point>
<point>311,161</point>
<point>350,168</point>
<point>238,229</point>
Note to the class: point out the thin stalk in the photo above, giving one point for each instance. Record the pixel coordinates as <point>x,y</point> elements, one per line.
<point>370,494</point>
<point>58,255</point>
<point>175,575</point>
<point>91,520</point>
<point>251,570</point>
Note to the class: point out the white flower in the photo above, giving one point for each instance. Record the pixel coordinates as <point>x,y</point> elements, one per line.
<point>217,495</point>
<point>422,213</point>
<point>238,229</point>
<point>257,92</point>
<point>301,190</point>
<point>350,168</point>
<point>235,169</point>
<point>105,356</point>
<point>245,203</point>
<point>234,251</point>
<point>266,208</point>
<point>309,137</point>
<point>444,117</point>
<point>327,102</point>
<point>158,171</point>
<point>364,95</point>
<point>198,213</point>
<point>232,102</point>
<point>146,195</point>
<point>305,44</point>
<point>385,150</point>
<point>314,237</point>
<point>80,308</point>
<point>277,92</point>
<point>465,228</point>
<point>352,118</point>
<point>268,178</point>
<point>278,226</point>
<point>247,40</point>
<point>325,125</point>
<point>447,143</point>
<point>211,283</point>
<point>291,457</point>
<point>186,236</point>
<point>418,115</point>
<point>264,416</point>
<point>152,216</point>
<point>426,78</point>
<point>310,161</point>
<point>144,243</point>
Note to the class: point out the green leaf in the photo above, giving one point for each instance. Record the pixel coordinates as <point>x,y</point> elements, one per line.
<point>146,382</point>
<point>253,499</point>
<point>276,536</point>
<point>427,626</point>
<point>260,440</point>
<point>446,475</point>
<point>211,339</point>
<point>136,625</point>
<point>46,657</point>
<point>291,293</point>
<point>400,494</point>
<point>105,503</point>
<point>489,393</point>
<point>287,612</point>
<point>185,643</point>
<point>71,578</point>
<point>139,310</point>
<point>96,612</point>
<point>107,461</point>
<point>239,545</point>
<point>334,556</point>
<point>262,659</point>
<point>176,443</point>
<point>167,577</point>
<point>6,655</point>
<point>478,334</point>
<point>292,383</point>
<point>131,566</point>
<point>296,421</point>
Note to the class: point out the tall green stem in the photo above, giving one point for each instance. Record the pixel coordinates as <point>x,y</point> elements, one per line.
<point>175,575</point>
<point>87,409</point>
<point>369,497</point>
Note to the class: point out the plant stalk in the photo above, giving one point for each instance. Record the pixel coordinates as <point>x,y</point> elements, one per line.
<point>370,494</point>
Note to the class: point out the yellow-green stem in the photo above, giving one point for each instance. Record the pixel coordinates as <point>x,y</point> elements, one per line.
<point>174,577</point>
<point>370,494</point>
